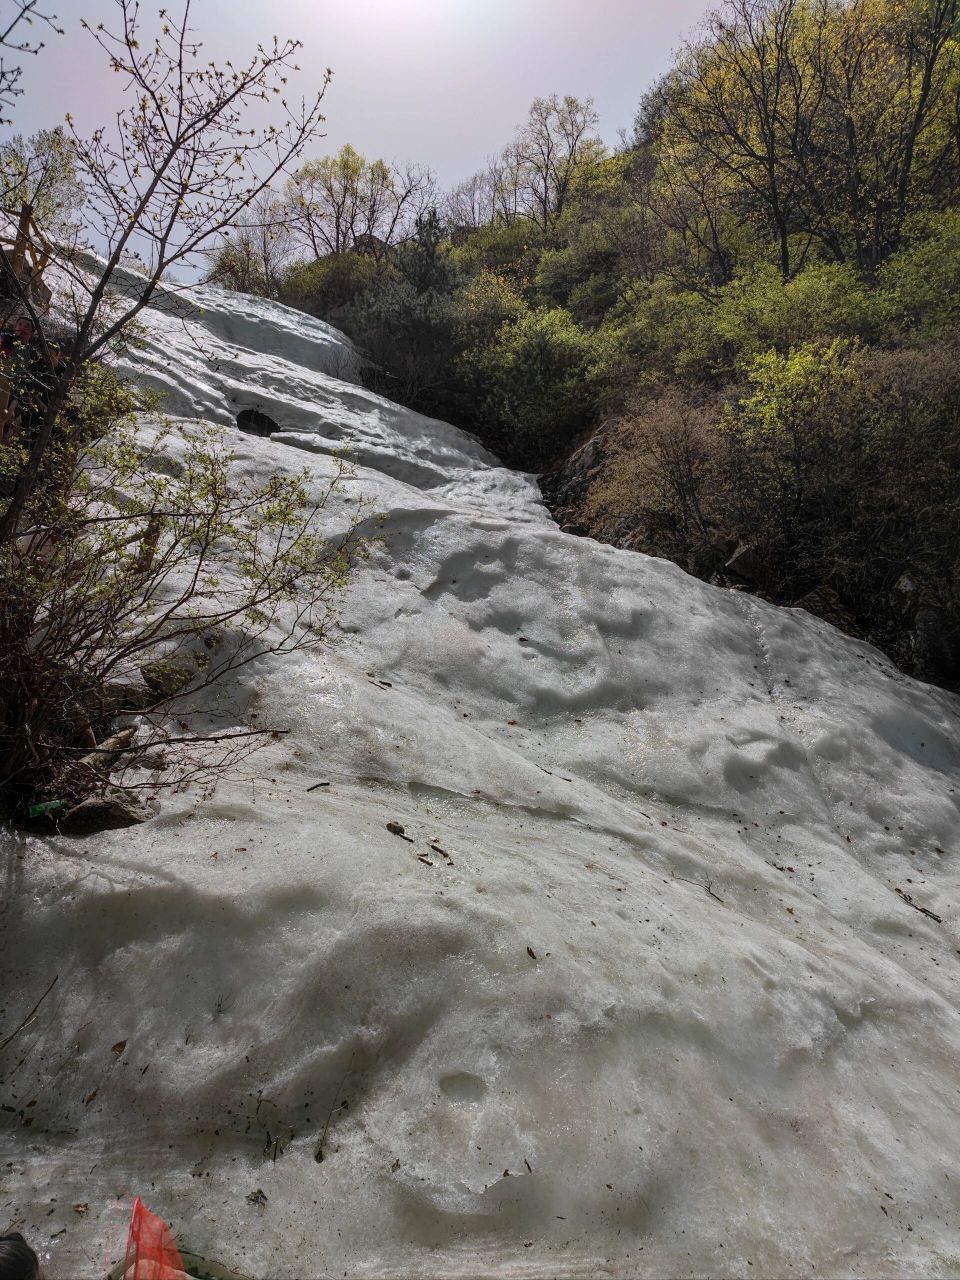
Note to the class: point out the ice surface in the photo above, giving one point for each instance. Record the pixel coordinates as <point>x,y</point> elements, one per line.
<point>658,1011</point>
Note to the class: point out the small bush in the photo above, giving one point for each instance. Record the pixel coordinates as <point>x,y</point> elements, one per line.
<point>920,285</point>
<point>510,250</point>
<point>657,488</point>
<point>537,380</point>
<point>326,287</point>
<point>483,306</point>
<point>835,464</point>
<point>142,553</point>
<point>792,460</point>
<point>709,338</point>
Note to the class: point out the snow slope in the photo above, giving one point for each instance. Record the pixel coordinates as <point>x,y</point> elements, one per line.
<point>659,1010</point>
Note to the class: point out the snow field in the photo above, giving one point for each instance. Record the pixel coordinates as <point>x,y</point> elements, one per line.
<point>638,996</point>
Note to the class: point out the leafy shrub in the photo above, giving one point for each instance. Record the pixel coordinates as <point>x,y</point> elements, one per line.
<point>407,338</point>
<point>920,285</point>
<point>538,382</point>
<point>708,338</point>
<point>483,305</point>
<point>327,286</point>
<point>580,276</point>
<point>909,509</point>
<point>835,464</point>
<point>656,488</point>
<point>792,460</point>
<point>143,553</point>
<point>505,249</point>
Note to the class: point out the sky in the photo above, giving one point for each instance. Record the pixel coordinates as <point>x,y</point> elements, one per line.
<point>441,82</point>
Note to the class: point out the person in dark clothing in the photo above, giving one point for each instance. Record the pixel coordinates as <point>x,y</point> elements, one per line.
<point>17,1260</point>
<point>60,452</point>
<point>28,374</point>
<point>28,367</point>
<point>22,365</point>
<point>34,387</point>
<point>23,334</point>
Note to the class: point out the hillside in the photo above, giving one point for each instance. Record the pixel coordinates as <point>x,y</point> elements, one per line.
<point>663,982</point>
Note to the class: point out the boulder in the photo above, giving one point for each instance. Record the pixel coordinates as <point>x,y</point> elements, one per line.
<point>109,810</point>
<point>936,644</point>
<point>824,603</point>
<point>118,696</point>
<point>745,563</point>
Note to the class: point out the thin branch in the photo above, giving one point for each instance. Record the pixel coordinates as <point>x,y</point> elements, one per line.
<point>30,1016</point>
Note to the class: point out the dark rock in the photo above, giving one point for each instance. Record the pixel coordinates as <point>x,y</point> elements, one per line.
<point>256,423</point>
<point>124,695</point>
<point>936,644</point>
<point>745,563</point>
<point>565,488</point>
<point>908,592</point>
<point>706,560</point>
<point>932,628</point>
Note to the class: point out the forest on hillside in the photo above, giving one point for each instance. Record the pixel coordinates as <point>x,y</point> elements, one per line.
<point>732,341</point>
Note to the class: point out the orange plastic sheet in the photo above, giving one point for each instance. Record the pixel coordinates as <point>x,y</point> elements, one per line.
<point>151,1252</point>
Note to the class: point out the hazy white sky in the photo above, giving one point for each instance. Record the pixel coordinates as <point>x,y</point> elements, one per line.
<point>439,81</point>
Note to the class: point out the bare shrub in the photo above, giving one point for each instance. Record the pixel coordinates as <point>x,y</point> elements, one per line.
<point>660,480</point>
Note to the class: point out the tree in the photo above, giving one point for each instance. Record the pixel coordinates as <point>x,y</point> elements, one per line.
<point>346,202</point>
<point>173,173</point>
<point>504,177</point>
<point>405,321</point>
<point>828,125</point>
<point>735,104</point>
<point>325,286</point>
<point>254,252</point>
<point>558,136</point>
<point>472,202</point>
<point>532,176</point>
<point>142,585</point>
<point>41,172</point>
<point>535,377</point>
<point>13,37</point>
<point>883,145</point>
<point>113,566</point>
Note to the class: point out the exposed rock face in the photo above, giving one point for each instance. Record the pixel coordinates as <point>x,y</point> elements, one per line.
<point>932,628</point>
<point>936,644</point>
<point>824,602</point>
<point>745,564</point>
